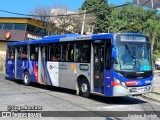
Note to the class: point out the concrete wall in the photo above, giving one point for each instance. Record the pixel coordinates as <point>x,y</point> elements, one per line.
<point>2,55</point>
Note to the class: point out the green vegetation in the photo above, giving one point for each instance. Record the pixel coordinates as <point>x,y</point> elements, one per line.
<point>129,18</point>
<point>101,10</point>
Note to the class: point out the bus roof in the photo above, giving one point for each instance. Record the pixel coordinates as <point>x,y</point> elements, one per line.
<point>67,37</point>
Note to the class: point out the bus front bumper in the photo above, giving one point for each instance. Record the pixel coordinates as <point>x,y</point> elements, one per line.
<point>128,91</point>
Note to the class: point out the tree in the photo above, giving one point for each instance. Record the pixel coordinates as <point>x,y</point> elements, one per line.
<point>131,18</point>
<point>71,21</point>
<point>101,11</point>
<point>59,19</point>
<point>42,13</point>
<point>64,23</point>
<point>152,29</point>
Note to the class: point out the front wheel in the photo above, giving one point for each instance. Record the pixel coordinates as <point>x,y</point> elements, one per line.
<point>84,88</point>
<point>26,78</point>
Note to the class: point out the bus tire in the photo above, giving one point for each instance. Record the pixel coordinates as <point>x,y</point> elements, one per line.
<point>84,88</point>
<point>26,78</point>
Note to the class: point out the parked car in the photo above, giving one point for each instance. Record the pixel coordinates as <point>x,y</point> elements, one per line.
<point>157,64</point>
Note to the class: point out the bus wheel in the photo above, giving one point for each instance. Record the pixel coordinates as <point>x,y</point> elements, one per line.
<point>84,88</point>
<point>26,78</point>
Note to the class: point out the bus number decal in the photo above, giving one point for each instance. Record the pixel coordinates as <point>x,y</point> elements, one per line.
<point>9,62</point>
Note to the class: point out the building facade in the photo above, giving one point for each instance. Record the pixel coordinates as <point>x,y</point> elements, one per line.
<point>18,29</point>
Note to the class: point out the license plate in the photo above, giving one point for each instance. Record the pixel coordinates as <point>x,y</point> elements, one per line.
<point>140,89</point>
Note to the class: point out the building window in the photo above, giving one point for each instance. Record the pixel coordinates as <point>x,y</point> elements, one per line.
<point>8,26</point>
<point>1,26</point>
<point>19,27</point>
<point>36,30</point>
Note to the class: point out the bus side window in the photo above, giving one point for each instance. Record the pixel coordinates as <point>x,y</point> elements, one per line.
<point>68,51</point>
<point>19,52</point>
<point>24,52</point>
<point>55,52</point>
<point>10,53</point>
<point>83,52</point>
<point>108,55</point>
<point>33,52</point>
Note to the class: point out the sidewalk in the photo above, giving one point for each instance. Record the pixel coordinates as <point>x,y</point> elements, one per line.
<point>155,95</point>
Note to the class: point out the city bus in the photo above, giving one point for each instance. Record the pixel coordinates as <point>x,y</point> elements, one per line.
<point>107,64</point>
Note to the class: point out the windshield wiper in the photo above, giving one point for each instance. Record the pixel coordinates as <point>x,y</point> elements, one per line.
<point>129,50</point>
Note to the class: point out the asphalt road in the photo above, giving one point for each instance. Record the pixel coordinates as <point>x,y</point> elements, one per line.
<point>14,93</point>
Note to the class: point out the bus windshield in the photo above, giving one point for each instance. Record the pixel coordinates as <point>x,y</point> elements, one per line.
<point>133,58</point>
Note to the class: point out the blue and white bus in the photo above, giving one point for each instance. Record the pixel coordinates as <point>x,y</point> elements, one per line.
<point>105,64</point>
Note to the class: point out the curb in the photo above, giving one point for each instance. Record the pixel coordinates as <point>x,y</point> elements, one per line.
<point>151,98</point>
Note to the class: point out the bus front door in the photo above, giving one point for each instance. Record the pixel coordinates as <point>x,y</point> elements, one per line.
<point>98,49</point>
<point>42,65</point>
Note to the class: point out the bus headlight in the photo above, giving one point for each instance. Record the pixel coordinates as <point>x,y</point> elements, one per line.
<point>123,84</point>
<point>120,82</point>
<point>117,81</point>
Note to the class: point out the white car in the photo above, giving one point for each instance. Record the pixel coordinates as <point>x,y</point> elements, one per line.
<point>157,64</point>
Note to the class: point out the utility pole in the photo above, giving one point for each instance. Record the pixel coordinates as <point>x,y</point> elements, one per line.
<point>83,22</point>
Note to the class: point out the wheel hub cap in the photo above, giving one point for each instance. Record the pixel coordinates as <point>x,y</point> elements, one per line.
<point>84,88</point>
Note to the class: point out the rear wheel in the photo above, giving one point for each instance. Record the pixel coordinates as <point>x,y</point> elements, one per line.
<point>26,78</point>
<point>84,88</point>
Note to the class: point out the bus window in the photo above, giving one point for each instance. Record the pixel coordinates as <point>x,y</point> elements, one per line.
<point>55,52</point>
<point>83,52</point>
<point>24,52</point>
<point>68,52</point>
<point>11,53</point>
<point>19,51</point>
<point>108,50</point>
<point>33,52</point>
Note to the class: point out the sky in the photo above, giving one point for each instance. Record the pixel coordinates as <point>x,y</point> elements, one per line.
<point>25,6</point>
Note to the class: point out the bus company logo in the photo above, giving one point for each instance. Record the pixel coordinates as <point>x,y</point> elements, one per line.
<point>139,83</point>
<point>50,67</point>
<point>8,35</point>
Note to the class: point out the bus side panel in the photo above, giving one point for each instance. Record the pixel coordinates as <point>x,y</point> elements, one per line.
<point>108,78</point>
<point>68,73</point>
<point>33,70</point>
<point>66,76</point>
<point>45,76</point>
<point>22,66</point>
<point>10,67</point>
<point>52,73</point>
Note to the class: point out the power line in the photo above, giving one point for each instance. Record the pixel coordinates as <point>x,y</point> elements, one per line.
<point>59,14</point>
<point>41,15</point>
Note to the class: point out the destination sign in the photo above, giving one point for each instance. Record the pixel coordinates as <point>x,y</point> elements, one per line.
<point>130,38</point>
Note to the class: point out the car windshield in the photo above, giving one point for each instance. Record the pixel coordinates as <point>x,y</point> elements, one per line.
<point>133,58</point>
